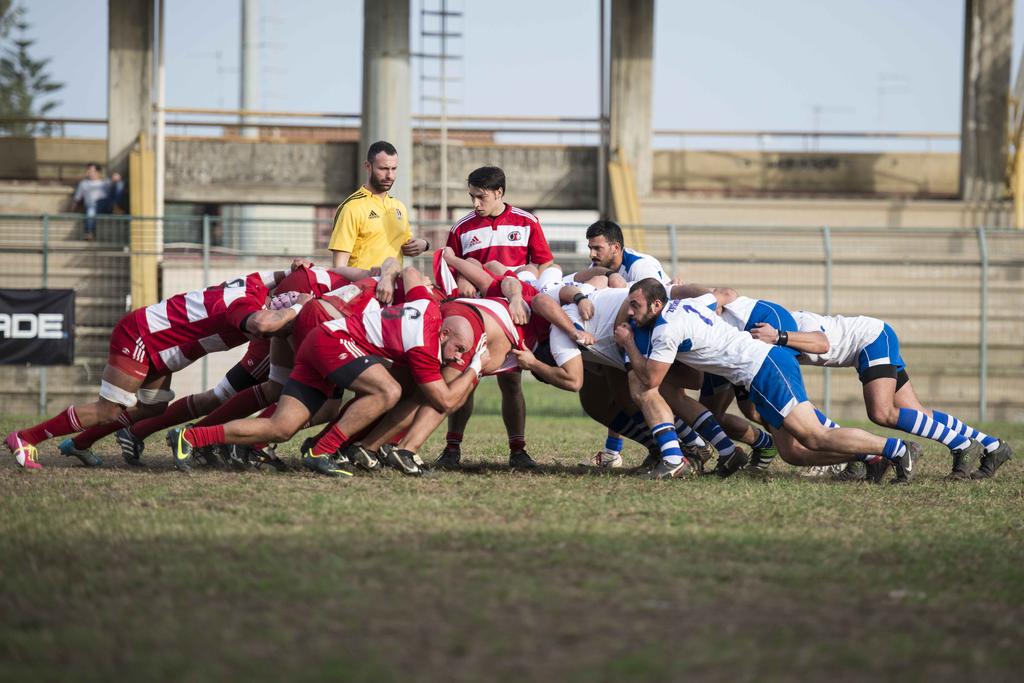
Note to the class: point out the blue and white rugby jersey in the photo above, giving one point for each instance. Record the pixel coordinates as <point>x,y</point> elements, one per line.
<point>636,266</point>
<point>607,303</point>
<point>846,337</point>
<point>687,330</point>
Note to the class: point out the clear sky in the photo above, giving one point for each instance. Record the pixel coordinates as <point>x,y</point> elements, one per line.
<point>750,64</point>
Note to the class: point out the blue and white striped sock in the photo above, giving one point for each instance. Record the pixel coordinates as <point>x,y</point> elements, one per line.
<point>634,428</point>
<point>915,422</point>
<point>687,436</point>
<point>763,440</point>
<point>613,444</point>
<point>894,448</point>
<point>989,442</point>
<point>707,426</point>
<point>668,442</point>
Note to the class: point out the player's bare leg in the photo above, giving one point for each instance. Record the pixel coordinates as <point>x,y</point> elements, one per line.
<point>513,414</point>
<point>803,424</point>
<point>117,392</point>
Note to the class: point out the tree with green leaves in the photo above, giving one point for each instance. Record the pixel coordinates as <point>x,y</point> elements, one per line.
<point>26,88</point>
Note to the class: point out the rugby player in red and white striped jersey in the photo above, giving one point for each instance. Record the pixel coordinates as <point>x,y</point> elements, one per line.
<point>496,231</point>
<point>151,343</point>
<point>241,392</point>
<point>372,353</point>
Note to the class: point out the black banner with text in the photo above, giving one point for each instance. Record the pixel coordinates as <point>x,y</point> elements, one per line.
<point>37,326</point>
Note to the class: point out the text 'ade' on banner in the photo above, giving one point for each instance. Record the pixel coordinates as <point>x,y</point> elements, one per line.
<point>37,326</point>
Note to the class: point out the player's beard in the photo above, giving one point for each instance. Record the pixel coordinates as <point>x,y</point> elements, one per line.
<point>378,187</point>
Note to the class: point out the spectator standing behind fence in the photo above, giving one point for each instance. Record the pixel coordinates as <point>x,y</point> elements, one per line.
<point>98,195</point>
<point>371,225</point>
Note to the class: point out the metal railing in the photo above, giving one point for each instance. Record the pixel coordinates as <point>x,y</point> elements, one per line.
<point>954,296</point>
<point>581,130</point>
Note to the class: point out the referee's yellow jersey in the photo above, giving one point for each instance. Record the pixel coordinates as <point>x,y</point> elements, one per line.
<point>370,229</point>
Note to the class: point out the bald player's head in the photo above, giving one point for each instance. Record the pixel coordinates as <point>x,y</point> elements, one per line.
<point>456,338</point>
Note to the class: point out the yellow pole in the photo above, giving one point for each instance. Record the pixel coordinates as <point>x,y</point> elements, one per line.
<point>142,202</point>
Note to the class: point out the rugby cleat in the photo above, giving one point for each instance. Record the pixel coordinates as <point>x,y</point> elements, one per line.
<point>131,446</point>
<point>237,456</point>
<point>701,454</point>
<point>449,459</point>
<point>963,461</point>
<point>990,462</point>
<point>876,470</point>
<point>362,457</point>
<point>730,465</point>
<point>403,461</point>
<point>181,449</point>
<point>761,458</point>
<point>521,460</point>
<point>268,456</point>
<point>904,465</point>
<point>205,456</point>
<point>822,470</point>
<point>323,464</point>
<point>88,458</point>
<point>650,462</point>
<point>603,460</point>
<point>854,471</point>
<point>24,453</point>
<point>666,470</point>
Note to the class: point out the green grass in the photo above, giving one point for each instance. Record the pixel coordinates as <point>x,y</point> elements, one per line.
<point>147,574</point>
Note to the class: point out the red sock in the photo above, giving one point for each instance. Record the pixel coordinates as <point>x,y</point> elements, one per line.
<point>178,412</point>
<point>517,442</point>
<point>398,437</point>
<point>453,441</point>
<point>242,404</point>
<point>204,436</point>
<point>93,434</point>
<point>58,425</point>
<point>331,441</point>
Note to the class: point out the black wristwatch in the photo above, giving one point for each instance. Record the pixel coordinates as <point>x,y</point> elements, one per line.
<point>783,338</point>
<point>580,296</point>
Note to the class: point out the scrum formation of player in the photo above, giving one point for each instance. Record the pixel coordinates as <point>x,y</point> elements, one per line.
<point>411,348</point>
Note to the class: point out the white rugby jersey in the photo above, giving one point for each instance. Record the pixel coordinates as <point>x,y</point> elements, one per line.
<point>687,330</point>
<point>636,266</point>
<point>846,337</point>
<point>607,303</point>
<point>737,313</point>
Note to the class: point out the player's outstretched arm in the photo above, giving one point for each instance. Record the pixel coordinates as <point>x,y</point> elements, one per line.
<point>268,323</point>
<point>568,376</point>
<point>545,307</point>
<point>475,274</point>
<point>806,342</point>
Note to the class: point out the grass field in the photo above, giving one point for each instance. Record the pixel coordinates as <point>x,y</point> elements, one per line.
<point>147,574</point>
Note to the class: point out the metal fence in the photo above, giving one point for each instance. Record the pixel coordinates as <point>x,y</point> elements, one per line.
<point>954,296</point>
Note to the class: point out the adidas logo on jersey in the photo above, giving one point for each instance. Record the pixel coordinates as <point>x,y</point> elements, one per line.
<point>373,214</point>
<point>475,241</point>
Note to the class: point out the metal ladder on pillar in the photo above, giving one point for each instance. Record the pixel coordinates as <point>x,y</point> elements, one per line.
<point>441,32</point>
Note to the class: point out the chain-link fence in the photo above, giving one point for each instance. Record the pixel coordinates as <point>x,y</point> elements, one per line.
<point>954,296</point>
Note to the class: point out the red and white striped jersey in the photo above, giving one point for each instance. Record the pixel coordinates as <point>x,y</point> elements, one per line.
<point>316,281</point>
<point>406,333</point>
<point>497,310</point>
<point>513,237</point>
<point>186,327</point>
<point>538,329</point>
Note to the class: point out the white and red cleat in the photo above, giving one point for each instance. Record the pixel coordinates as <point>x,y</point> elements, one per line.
<point>24,453</point>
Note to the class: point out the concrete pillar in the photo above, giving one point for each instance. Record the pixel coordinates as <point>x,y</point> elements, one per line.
<point>632,56</point>
<point>988,48</point>
<point>386,87</point>
<point>249,76</point>
<point>130,77</point>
